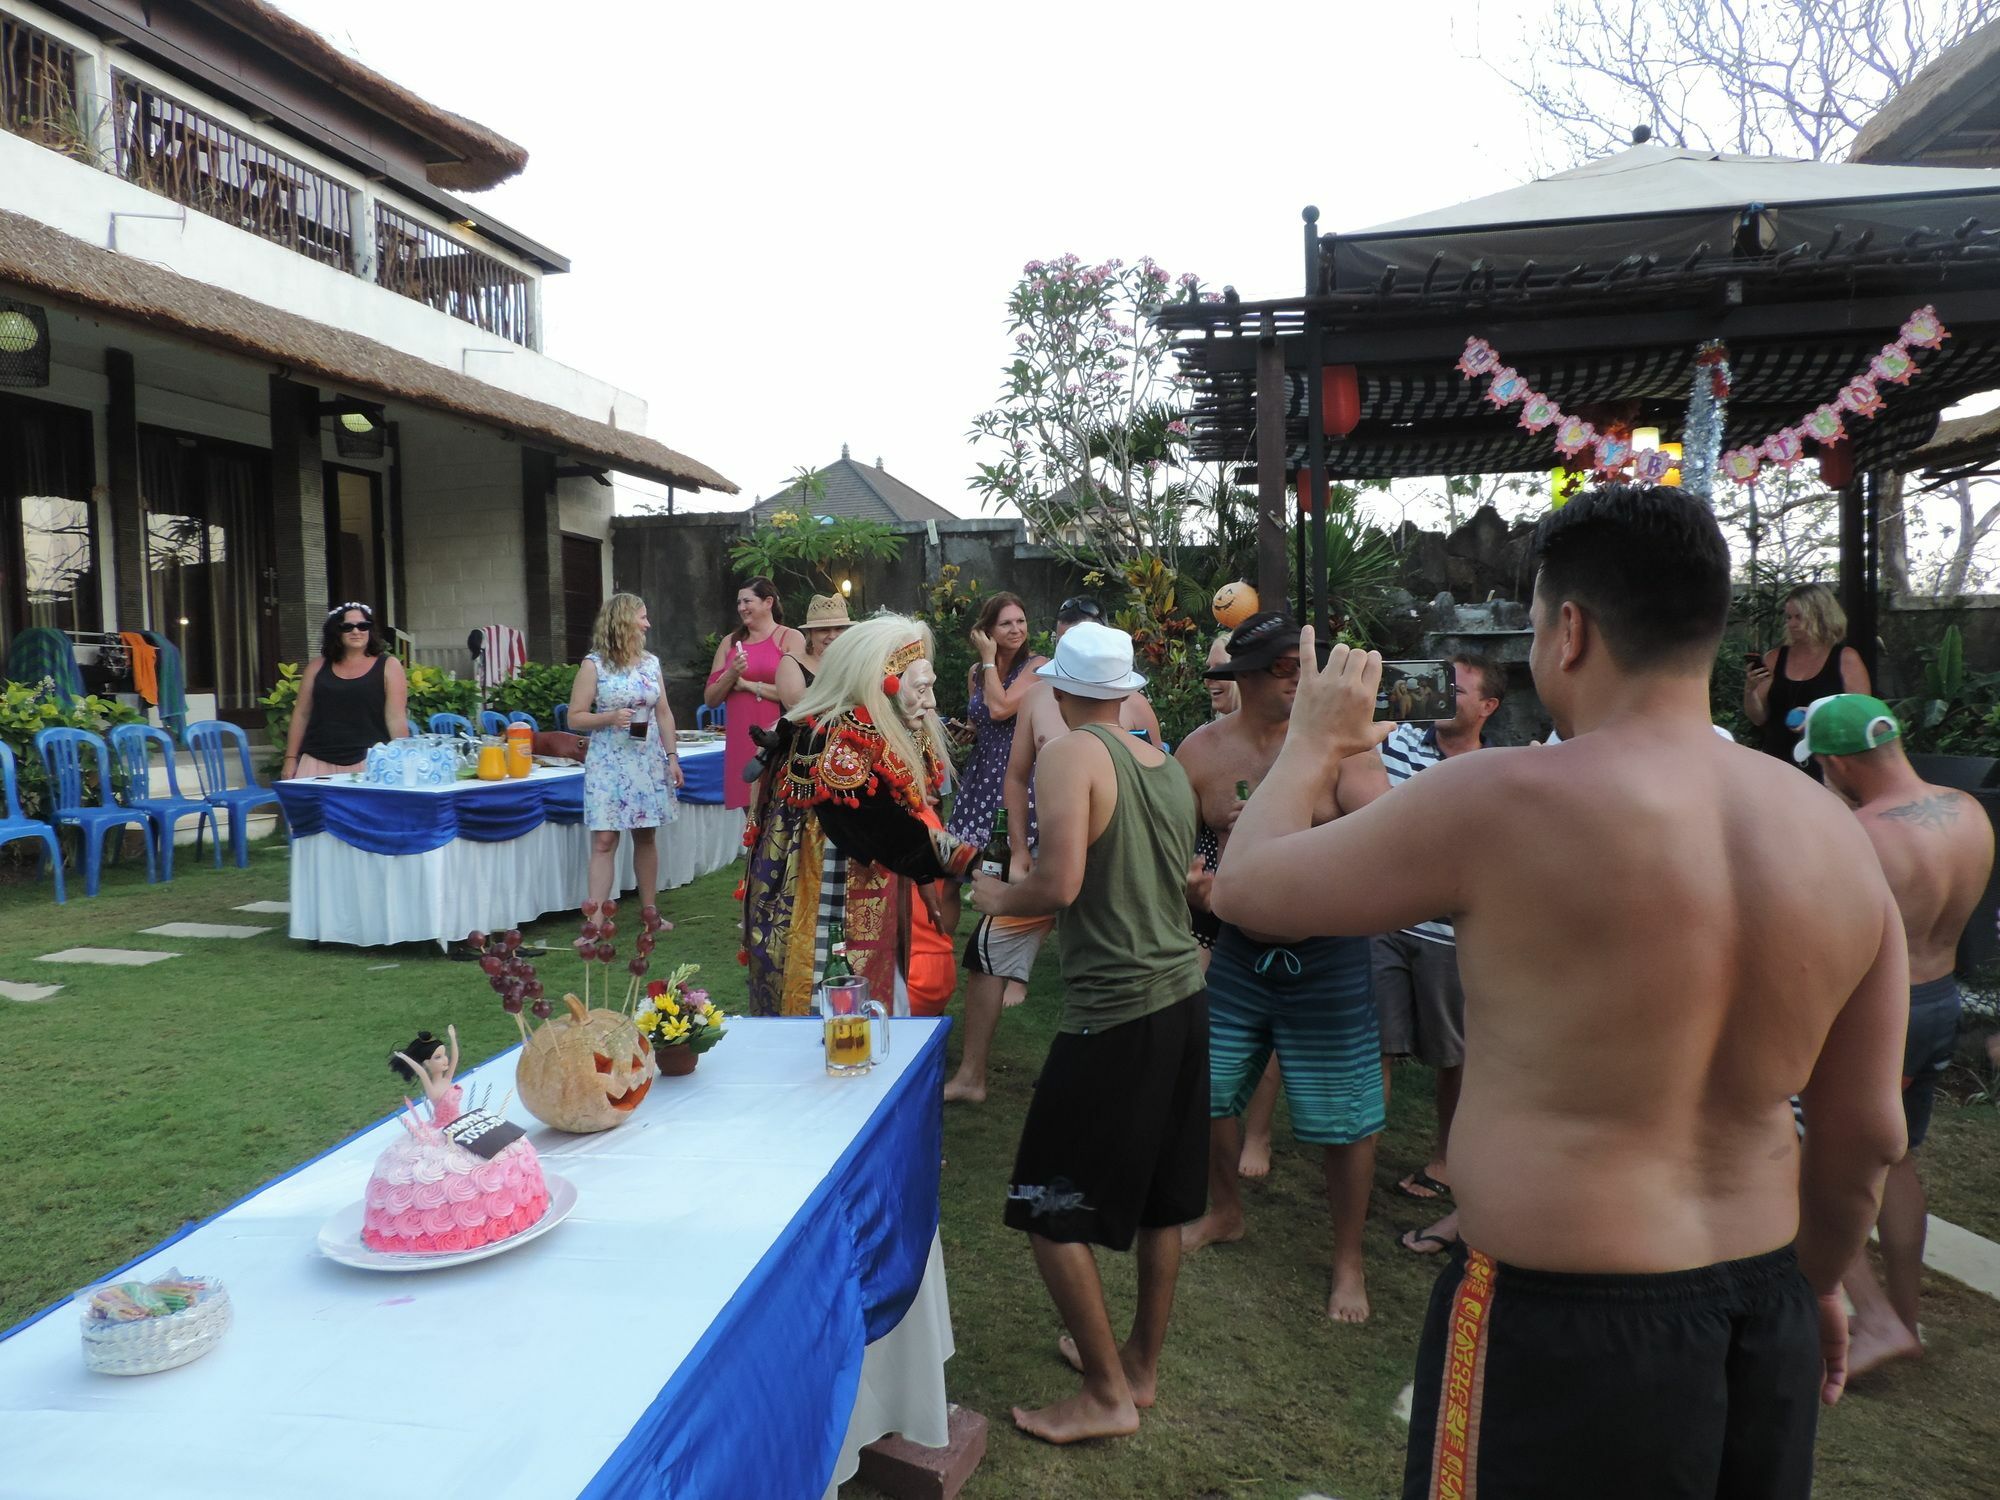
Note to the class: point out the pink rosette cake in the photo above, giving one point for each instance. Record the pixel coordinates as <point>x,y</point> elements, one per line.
<point>442,1187</point>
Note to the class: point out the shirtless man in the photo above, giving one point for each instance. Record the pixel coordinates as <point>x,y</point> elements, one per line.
<point>1936,848</point>
<point>1311,1002</point>
<point>1000,954</point>
<point>1662,939</point>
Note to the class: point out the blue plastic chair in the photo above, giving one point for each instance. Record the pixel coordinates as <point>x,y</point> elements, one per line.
<point>63,753</point>
<point>451,724</point>
<point>517,717</point>
<point>13,826</point>
<point>559,716</point>
<point>491,722</point>
<point>711,718</point>
<point>209,740</point>
<point>133,744</point>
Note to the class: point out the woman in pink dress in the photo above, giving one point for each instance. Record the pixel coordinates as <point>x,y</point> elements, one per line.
<point>745,679</point>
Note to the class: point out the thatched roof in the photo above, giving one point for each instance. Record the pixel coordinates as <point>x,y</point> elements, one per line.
<point>1948,115</point>
<point>477,157</point>
<point>1958,443</point>
<point>54,265</point>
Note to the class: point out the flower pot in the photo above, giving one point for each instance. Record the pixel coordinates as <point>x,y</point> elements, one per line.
<point>675,1061</point>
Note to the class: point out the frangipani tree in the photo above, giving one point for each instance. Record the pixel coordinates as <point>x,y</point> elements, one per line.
<point>1087,438</point>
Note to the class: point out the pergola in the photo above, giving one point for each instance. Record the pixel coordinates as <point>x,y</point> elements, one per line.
<point>1599,285</point>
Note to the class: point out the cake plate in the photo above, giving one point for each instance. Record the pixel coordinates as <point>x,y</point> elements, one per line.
<point>340,1236</point>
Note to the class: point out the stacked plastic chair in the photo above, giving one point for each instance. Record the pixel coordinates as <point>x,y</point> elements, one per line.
<point>14,826</point>
<point>451,724</point>
<point>133,745</point>
<point>517,717</point>
<point>209,740</point>
<point>63,753</point>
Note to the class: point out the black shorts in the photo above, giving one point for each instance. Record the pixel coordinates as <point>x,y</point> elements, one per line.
<point>1928,1047</point>
<point>1116,1138</point>
<point>1535,1385</point>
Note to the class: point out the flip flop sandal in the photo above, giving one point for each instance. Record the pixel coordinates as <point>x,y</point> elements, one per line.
<point>1412,1241</point>
<point>1433,1190</point>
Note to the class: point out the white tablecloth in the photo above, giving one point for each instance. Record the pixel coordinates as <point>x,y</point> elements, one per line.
<point>341,894</point>
<point>511,1377</point>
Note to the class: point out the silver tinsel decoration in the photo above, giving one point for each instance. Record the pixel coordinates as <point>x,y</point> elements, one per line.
<point>1701,442</point>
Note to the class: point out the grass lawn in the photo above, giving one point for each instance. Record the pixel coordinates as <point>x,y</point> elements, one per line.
<point>141,1098</point>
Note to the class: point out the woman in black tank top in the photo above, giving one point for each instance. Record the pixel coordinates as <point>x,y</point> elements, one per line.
<point>1815,630</point>
<point>349,699</point>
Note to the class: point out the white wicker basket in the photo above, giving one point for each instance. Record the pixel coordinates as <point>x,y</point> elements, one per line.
<point>146,1346</point>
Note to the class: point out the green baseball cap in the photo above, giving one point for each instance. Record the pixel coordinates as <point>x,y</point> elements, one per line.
<point>1846,724</point>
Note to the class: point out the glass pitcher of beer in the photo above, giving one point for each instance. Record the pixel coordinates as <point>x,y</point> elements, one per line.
<point>850,1024</point>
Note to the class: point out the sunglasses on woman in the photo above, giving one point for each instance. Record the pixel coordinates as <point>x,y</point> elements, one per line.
<point>348,627</point>
<point>1090,609</point>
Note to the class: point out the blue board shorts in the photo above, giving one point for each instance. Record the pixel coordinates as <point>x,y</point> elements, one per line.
<point>1314,1002</point>
<point>1927,1050</point>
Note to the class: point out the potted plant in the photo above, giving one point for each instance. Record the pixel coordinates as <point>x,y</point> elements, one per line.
<point>680,1021</point>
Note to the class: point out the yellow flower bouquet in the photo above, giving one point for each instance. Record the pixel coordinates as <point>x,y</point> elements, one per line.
<point>680,1021</point>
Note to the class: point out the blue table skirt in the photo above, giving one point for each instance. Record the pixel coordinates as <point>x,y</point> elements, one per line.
<point>380,820</point>
<point>736,1422</point>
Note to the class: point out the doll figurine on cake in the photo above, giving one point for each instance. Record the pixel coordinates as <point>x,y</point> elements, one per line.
<point>847,826</point>
<point>456,1179</point>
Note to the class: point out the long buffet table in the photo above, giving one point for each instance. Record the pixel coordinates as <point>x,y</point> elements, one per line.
<point>373,865</point>
<point>748,1290</point>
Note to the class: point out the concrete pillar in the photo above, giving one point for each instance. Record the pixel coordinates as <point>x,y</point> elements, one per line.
<point>128,517</point>
<point>298,517</point>
<point>541,549</point>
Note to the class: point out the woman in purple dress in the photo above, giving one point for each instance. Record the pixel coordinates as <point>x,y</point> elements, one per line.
<point>998,686</point>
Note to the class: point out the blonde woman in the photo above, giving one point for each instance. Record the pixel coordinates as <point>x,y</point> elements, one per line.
<point>1815,662</point>
<point>633,768</point>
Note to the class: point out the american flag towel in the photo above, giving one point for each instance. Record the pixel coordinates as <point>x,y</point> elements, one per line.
<point>504,650</point>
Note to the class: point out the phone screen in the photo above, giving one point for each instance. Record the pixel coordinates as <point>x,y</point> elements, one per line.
<point>1417,692</point>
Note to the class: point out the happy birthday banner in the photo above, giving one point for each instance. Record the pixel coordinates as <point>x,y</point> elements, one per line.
<point>1611,452</point>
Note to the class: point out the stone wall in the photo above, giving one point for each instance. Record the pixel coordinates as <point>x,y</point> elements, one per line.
<point>680,566</point>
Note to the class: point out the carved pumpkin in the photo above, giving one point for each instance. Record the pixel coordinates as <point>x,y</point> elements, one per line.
<point>1234,603</point>
<point>586,1071</point>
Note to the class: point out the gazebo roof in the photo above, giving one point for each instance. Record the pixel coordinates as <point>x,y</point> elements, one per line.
<point>1599,284</point>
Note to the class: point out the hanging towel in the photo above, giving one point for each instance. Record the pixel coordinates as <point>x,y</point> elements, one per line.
<point>41,652</point>
<point>505,651</point>
<point>172,679</point>
<point>145,665</point>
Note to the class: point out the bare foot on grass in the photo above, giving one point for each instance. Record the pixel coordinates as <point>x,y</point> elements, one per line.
<point>1255,1159</point>
<point>1869,1348</point>
<point>1349,1302</point>
<point>1211,1229</point>
<point>1144,1384</point>
<point>1078,1417</point>
<point>1013,994</point>
<point>960,1091</point>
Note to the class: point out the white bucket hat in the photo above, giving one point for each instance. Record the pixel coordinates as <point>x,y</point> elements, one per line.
<point>1092,661</point>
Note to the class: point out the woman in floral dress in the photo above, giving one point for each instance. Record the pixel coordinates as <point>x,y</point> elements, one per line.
<point>633,765</point>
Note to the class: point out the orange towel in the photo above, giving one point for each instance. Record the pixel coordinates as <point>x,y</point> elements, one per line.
<point>145,665</point>
<point>933,973</point>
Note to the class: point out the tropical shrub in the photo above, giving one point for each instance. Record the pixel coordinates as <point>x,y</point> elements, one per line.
<point>26,708</point>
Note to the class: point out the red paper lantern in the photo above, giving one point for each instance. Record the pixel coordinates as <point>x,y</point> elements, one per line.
<point>1836,465</point>
<point>1305,492</point>
<point>1339,399</point>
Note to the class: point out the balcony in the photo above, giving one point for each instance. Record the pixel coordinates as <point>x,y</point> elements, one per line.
<point>39,98</point>
<point>167,146</point>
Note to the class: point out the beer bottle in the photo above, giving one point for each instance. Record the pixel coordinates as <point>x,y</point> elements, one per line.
<point>836,953</point>
<point>1242,791</point>
<point>997,858</point>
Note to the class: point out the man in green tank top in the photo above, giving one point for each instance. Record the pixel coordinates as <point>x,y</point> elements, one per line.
<point>1115,1145</point>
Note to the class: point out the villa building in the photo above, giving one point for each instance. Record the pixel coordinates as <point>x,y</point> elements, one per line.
<point>257,357</point>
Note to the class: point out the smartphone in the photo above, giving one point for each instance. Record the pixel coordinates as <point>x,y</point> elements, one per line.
<point>1417,692</point>
<point>1753,659</point>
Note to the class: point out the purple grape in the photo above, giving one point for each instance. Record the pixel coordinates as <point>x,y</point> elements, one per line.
<point>512,938</point>
<point>491,963</point>
<point>605,953</point>
<point>540,1009</point>
<point>609,908</point>
<point>533,989</point>
<point>591,930</point>
<point>499,985</point>
<point>637,966</point>
<point>476,939</point>
<point>589,908</point>
<point>650,914</point>
<point>607,929</point>
<point>511,1004</point>
<point>645,942</point>
<point>584,946</point>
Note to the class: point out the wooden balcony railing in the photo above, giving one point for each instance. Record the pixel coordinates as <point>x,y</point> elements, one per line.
<point>414,259</point>
<point>175,150</point>
<point>39,97</point>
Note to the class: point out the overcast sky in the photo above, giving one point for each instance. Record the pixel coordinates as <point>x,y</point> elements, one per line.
<point>796,226</point>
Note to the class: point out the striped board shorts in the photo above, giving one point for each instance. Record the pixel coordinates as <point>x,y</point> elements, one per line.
<point>1313,1002</point>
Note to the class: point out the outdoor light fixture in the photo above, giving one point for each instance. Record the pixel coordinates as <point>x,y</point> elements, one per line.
<point>846,587</point>
<point>358,427</point>
<point>24,344</point>
<point>1673,478</point>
